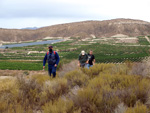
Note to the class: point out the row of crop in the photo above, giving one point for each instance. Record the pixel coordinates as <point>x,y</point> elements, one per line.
<point>143,41</point>
<point>21,65</point>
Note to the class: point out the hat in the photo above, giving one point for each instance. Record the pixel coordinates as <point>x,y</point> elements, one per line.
<point>83,52</point>
<point>50,47</point>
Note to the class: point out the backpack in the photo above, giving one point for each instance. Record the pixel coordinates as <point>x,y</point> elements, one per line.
<point>53,51</point>
<point>51,58</point>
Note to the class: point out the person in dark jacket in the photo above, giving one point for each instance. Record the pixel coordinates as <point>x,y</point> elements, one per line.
<point>52,58</point>
<point>83,59</point>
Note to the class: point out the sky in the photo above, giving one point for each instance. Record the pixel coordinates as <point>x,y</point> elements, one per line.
<point>38,13</point>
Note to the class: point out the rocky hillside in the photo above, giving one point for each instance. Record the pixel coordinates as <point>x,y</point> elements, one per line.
<point>83,29</point>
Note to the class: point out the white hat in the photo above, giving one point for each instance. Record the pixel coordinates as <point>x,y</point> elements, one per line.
<point>83,52</point>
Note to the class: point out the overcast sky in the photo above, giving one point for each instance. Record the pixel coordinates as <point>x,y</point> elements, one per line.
<point>38,13</point>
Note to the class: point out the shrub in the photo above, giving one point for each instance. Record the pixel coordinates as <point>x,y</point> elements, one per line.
<point>58,106</point>
<point>8,85</point>
<point>14,108</point>
<point>91,101</point>
<point>76,78</point>
<point>55,88</point>
<point>112,82</point>
<point>85,100</point>
<point>40,79</point>
<point>101,89</point>
<point>29,92</point>
<point>139,108</point>
<point>105,92</point>
<point>9,90</point>
<point>97,69</point>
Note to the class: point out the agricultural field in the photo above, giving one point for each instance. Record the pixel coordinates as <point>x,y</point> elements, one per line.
<point>106,50</point>
<point>117,83</point>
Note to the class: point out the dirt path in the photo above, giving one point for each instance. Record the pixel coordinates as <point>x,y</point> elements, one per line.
<point>20,72</point>
<point>147,39</point>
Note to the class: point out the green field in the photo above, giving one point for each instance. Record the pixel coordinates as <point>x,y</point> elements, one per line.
<point>69,50</point>
<point>20,65</point>
<point>143,41</point>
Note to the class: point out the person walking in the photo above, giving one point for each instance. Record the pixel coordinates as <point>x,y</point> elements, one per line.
<point>83,59</point>
<point>91,59</point>
<point>53,60</point>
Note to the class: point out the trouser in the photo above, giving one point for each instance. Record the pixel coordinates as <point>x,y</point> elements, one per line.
<point>83,65</point>
<point>89,66</point>
<point>52,70</point>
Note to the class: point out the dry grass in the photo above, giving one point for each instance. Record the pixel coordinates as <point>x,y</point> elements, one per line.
<point>20,72</point>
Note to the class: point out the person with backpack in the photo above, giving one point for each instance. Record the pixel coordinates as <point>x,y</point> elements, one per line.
<point>83,59</point>
<point>91,59</point>
<point>52,58</point>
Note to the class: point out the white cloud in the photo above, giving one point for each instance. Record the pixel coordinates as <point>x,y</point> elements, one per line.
<point>31,12</point>
<point>35,22</point>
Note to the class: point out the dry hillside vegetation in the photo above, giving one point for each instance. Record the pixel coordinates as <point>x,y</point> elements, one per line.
<point>104,88</point>
<point>90,29</point>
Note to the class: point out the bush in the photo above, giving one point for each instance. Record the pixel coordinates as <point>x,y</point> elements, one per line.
<point>76,78</point>
<point>58,106</point>
<point>40,79</point>
<point>97,69</point>
<point>55,88</point>
<point>104,88</point>
<point>139,108</point>
<point>91,101</point>
<point>29,92</point>
<point>105,92</point>
<point>9,102</point>
<point>85,100</point>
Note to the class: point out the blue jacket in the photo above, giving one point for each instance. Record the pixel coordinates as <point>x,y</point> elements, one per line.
<point>45,58</point>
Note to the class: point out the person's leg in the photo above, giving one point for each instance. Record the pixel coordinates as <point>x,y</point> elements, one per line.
<point>87,66</point>
<point>54,71</point>
<point>49,70</point>
<point>83,65</point>
<point>90,65</point>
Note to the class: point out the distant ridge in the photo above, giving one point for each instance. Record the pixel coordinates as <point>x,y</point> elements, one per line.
<point>106,28</point>
<point>31,28</point>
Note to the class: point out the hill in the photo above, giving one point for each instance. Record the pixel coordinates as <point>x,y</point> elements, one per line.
<point>83,29</point>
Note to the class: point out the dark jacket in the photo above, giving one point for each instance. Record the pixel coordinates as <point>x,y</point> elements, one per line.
<point>83,58</point>
<point>56,58</point>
